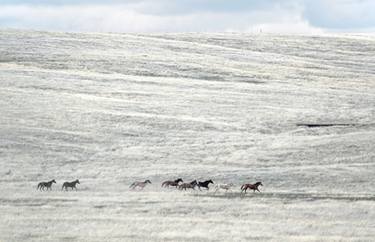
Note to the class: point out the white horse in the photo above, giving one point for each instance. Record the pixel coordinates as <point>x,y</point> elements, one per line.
<point>223,186</point>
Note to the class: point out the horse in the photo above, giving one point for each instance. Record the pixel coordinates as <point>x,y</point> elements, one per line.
<point>190,185</point>
<point>47,185</point>
<point>139,184</point>
<point>174,183</point>
<point>225,187</point>
<point>205,184</point>
<point>253,187</point>
<point>70,184</point>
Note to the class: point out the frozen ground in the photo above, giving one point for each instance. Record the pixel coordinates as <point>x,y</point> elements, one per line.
<point>110,109</point>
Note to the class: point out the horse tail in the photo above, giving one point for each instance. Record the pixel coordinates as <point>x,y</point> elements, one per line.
<point>163,184</point>
<point>243,186</point>
<point>133,184</point>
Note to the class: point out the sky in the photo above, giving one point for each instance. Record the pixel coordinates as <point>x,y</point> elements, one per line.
<point>275,16</point>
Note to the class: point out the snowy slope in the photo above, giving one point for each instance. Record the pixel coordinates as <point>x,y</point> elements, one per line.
<point>110,109</point>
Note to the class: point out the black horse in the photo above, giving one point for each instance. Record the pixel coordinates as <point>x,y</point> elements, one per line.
<point>47,185</point>
<point>70,184</point>
<point>205,184</point>
<point>174,183</point>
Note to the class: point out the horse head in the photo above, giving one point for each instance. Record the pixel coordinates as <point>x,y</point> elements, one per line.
<point>148,181</point>
<point>210,181</point>
<point>194,182</point>
<point>178,180</point>
<point>53,181</point>
<point>77,181</point>
<point>259,184</point>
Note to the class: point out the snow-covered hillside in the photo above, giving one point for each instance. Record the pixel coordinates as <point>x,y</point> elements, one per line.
<point>110,109</point>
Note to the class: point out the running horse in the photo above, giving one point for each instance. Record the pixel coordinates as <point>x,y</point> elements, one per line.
<point>70,184</point>
<point>205,184</point>
<point>190,185</point>
<point>223,186</point>
<point>253,187</point>
<point>174,183</point>
<point>47,185</point>
<point>139,184</point>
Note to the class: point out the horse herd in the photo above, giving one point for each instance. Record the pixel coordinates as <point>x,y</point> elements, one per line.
<point>178,183</point>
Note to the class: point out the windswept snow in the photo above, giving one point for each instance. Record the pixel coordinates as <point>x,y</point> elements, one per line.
<point>111,109</point>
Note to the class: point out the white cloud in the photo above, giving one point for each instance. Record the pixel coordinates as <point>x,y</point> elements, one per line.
<point>128,18</point>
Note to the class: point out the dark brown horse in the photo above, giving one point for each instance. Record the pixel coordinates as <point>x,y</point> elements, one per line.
<point>253,187</point>
<point>70,184</point>
<point>190,185</point>
<point>47,185</point>
<point>174,183</point>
